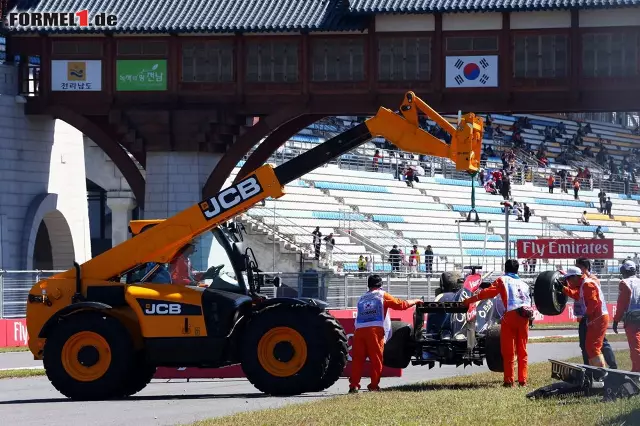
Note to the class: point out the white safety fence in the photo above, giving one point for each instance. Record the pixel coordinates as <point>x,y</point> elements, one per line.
<point>340,290</point>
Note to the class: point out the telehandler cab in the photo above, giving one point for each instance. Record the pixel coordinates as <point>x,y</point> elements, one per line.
<point>101,328</point>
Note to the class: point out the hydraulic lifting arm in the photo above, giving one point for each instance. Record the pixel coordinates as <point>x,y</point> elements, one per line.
<point>160,243</point>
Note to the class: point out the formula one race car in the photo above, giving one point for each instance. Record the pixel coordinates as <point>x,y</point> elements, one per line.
<point>454,334</point>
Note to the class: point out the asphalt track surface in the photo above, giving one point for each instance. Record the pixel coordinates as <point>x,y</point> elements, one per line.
<point>33,401</point>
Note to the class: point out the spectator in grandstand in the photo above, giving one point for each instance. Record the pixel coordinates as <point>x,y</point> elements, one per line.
<point>505,190</point>
<point>518,209</point>
<point>490,187</point>
<point>527,212</point>
<point>414,260</point>
<point>368,264</point>
<point>562,174</point>
<point>549,134</point>
<point>532,265</point>
<point>373,328</point>
<point>608,205</point>
<point>488,122</point>
<point>587,152</point>
<point>428,260</point>
<point>317,241</point>
<point>551,181</point>
<point>394,258</point>
<point>514,327</point>
<point>498,132</point>
<point>376,159</point>
<point>410,176</point>
<point>602,196</point>
<point>561,128</point>
<point>576,188</point>
<point>362,266</point>
<point>329,245</point>
<point>628,310</point>
<point>579,310</point>
<point>481,176</point>
<point>583,219</point>
<point>598,233</point>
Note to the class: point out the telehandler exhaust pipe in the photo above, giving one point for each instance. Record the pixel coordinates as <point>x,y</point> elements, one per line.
<point>78,295</point>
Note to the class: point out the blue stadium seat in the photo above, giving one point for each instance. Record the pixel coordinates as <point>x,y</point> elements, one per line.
<point>305,138</point>
<point>240,163</point>
<point>456,182</point>
<point>568,203</point>
<point>493,210</point>
<point>480,237</point>
<point>388,218</point>
<point>338,215</point>
<point>582,228</point>
<point>487,252</point>
<point>350,187</point>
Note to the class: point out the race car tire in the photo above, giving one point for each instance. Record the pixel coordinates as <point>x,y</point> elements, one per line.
<point>493,353</point>
<point>399,348</point>
<point>548,301</point>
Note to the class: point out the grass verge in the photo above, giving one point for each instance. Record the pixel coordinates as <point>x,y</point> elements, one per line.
<point>554,326</point>
<point>27,372</point>
<point>475,399</point>
<point>610,338</point>
<point>15,349</point>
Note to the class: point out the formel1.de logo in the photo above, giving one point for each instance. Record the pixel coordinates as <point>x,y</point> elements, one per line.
<point>80,19</point>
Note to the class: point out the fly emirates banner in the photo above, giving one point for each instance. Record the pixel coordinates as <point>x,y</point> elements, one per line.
<point>565,248</point>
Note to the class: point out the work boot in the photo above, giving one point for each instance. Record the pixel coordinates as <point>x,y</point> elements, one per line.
<point>523,384</point>
<point>354,389</point>
<point>508,385</point>
<point>373,389</point>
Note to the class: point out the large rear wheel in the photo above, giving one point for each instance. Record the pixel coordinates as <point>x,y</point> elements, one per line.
<point>493,350</point>
<point>89,357</point>
<point>337,342</point>
<point>283,350</point>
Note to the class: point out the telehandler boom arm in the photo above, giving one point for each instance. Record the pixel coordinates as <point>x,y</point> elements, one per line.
<point>161,243</point>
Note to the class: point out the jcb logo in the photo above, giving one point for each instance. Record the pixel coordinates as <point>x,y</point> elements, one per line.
<point>231,197</point>
<point>163,309</point>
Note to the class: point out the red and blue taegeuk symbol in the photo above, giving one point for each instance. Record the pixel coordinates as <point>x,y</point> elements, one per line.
<point>471,71</point>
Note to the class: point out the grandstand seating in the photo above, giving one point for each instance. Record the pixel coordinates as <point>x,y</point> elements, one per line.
<point>369,212</point>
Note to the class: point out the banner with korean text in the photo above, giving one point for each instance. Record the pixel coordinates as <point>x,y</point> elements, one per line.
<point>565,248</point>
<point>76,76</point>
<point>141,75</point>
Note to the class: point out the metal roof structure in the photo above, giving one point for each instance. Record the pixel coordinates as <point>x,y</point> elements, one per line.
<point>243,16</point>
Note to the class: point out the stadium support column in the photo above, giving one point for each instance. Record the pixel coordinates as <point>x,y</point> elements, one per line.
<point>121,204</point>
<point>174,182</point>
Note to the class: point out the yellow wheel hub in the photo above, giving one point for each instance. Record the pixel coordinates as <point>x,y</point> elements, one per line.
<point>282,351</point>
<point>86,356</point>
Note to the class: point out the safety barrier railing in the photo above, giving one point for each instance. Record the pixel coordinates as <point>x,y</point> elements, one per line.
<point>339,290</point>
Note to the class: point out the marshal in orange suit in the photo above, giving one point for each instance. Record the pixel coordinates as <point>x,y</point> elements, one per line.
<point>373,328</point>
<point>514,328</point>
<point>586,290</point>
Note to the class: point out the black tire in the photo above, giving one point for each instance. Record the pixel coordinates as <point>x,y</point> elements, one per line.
<point>399,348</point>
<point>547,300</point>
<point>140,376</point>
<point>336,339</point>
<point>295,322</point>
<point>493,352</point>
<point>109,384</point>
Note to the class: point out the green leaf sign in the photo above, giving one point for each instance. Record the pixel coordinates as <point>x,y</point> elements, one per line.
<point>141,75</point>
